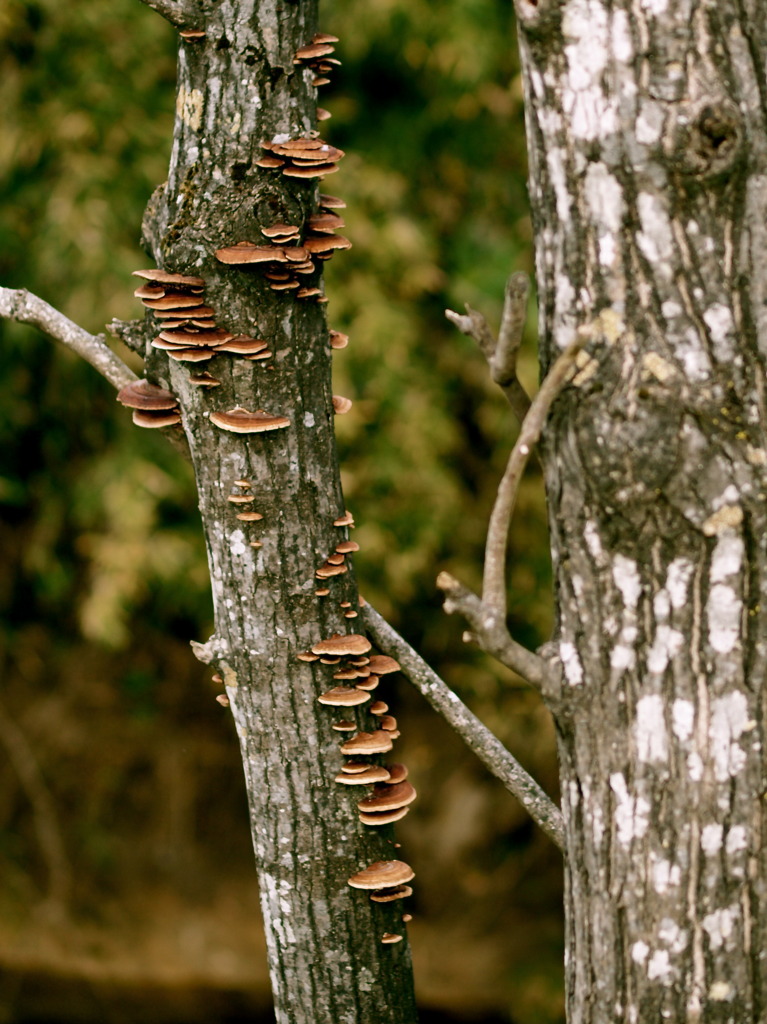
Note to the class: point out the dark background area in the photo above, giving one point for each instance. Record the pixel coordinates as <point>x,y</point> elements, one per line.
<point>128,891</point>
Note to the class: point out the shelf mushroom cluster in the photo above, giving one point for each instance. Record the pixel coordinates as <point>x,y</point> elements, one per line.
<point>316,56</point>
<point>357,675</point>
<point>189,330</point>
<point>286,261</point>
<point>152,406</point>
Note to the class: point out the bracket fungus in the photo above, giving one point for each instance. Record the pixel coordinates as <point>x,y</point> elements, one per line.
<point>389,938</point>
<point>378,742</point>
<point>240,421</point>
<point>152,406</point>
<point>382,664</point>
<point>383,874</point>
<point>343,696</point>
<point>341,405</point>
<point>388,797</point>
<point>398,892</point>
<point>378,818</point>
<point>338,645</point>
<point>371,773</point>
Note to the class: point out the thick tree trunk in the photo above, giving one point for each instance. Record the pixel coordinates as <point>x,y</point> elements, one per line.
<point>648,154</point>
<point>237,87</point>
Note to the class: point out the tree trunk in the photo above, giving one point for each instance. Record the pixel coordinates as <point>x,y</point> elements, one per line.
<point>646,130</point>
<point>237,87</point>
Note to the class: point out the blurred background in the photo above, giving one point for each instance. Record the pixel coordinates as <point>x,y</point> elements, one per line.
<point>128,891</point>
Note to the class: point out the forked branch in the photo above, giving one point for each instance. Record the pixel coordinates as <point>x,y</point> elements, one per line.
<point>19,304</point>
<point>472,731</point>
<point>501,353</point>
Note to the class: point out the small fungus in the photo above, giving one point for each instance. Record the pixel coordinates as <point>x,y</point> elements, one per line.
<point>382,664</point>
<point>376,819</point>
<point>343,696</point>
<point>156,419</point>
<point>166,277</point>
<point>240,421</point>
<point>370,773</point>
<point>382,874</point>
<point>140,394</point>
<point>388,796</point>
<point>345,725</point>
<point>338,645</point>
<point>341,405</point>
<point>347,519</point>
<point>397,773</point>
<point>397,892</point>
<point>368,684</point>
<point>378,742</point>
<point>331,202</point>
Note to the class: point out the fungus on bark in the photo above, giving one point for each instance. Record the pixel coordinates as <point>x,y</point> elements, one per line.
<point>341,405</point>
<point>338,645</point>
<point>343,696</point>
<point>378,818</point>
<point>382,664</point>
<point>240,421</point>
<point>347,519</point>
<point>382,874</point>
<point>371,773</point>
<point>388,796</point>
<point>397,892</point>
<point>140,394</point>
<point>378,742</point>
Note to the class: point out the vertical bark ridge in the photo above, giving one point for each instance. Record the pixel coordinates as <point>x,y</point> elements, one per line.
<point>648,152</point>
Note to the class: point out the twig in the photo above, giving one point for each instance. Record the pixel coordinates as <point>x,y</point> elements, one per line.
<point>178,12</point>
<point>490,632</point>
<point>501,355</point>
<point>474,733</point>
<point>494,581</point>
<point>19,304</point>
<point>503,365</point>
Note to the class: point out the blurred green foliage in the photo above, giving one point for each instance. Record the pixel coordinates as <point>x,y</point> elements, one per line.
<point>103,563</point>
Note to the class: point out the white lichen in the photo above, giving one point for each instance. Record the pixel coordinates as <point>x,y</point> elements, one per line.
<point>682,719</point>
<point>723,610</point>
<point>632,813</point>
<point>650,729</point>
<point>711,839</point>
<point>626,578</point>
<point>729,720</point>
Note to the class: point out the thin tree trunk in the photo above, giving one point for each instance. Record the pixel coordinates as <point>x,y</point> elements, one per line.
<point>237,87</point>
<point>648,146</point>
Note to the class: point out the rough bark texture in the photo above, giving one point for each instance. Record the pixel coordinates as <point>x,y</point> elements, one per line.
<point>648,155</point>
<point>237,87</point>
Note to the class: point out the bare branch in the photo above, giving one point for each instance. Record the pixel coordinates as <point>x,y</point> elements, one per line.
<point>494,582</point>
<point>181,13</point>
<point>489,631</point>
<point>501,355</point>
<point>503,365</point>
<point>19,304</point>
<point>472,731</point>
<point>475,326</point>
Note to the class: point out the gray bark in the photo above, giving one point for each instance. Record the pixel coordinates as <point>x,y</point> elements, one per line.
<point>237,87</point>
<point>648,178</point>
